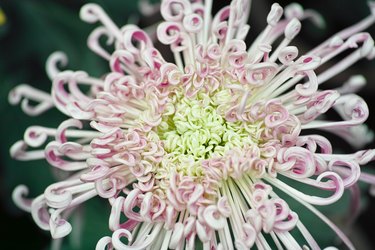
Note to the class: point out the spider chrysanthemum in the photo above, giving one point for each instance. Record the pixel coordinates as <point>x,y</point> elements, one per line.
<point>190,153</point>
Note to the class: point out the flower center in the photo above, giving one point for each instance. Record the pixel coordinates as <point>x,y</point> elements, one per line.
<point>193,130</point>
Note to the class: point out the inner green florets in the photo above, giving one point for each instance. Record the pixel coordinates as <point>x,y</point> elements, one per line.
<point>193,130</point>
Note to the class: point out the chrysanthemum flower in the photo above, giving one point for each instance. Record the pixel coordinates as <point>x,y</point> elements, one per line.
<point>191,152</point>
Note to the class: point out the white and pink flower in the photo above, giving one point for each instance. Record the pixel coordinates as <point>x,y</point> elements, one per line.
<point>192,151</point>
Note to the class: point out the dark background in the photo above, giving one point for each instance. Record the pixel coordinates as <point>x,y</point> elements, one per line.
<point>33,29</point>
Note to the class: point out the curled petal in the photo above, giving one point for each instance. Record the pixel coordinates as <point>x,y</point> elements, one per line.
<point>223,206</point>
<point>119,62</point>
<point>104,243</point>
<point>277,114</point>
<point>221,16</point>
<point>92,13</point>
<point>146,206</point>
<point>254,218</point>
<point>54,158</point>
<point>59,227</point>
<point>171,73</point>
<point>237,59</point>
<point>74,101</point>
<point>114,218</point>
<point>220,30</point>
<point>97,171</point>
<point>352,107</point>
<point>57,197</point>
<point>134,37</point>
<point>267,211</point>
<point>26,93</point>
<point>309,87</point>
<point>258,74</point>
<point>94,44</point>
<point>365,156</point>
<point>288,54</point>
<point>285,220</point>
<point>159,206</point>
<point>286,225</point>
<point>197,193</point>
<point>193,23</point>
<point>175,10</point>
<point>282,209</point>
<point>60,133</point>
<point>336,181</point>
<point>131,202</point>
<point>127,158</point>
<point>169,32</point>
<point>18,151</point>
<point>40,213</point>
<point>235,46</point>
<point>116,239</point>
<point>320,103</point>
<point>214,51</point>
<point>298,160</point>
<point>106,189</point>
<point>19,199</point>
<point>35,136</point>
<point>312,141</point>
<point>53,60</point>
<point>352,176</point>
<point>213,218</point>
<point>250,235</point>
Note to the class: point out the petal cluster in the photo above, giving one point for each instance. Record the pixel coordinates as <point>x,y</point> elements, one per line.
<point>197,152</point>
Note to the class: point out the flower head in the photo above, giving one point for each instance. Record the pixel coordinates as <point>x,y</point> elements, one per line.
<point>192,152</point>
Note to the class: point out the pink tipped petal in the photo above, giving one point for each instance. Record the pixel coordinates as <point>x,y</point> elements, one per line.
<point>213,218</point>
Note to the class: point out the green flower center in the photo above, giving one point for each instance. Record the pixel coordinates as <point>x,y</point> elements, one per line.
<point>193,130</point>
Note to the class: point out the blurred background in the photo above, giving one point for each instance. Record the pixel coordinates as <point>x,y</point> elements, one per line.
<point>31,30</point>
